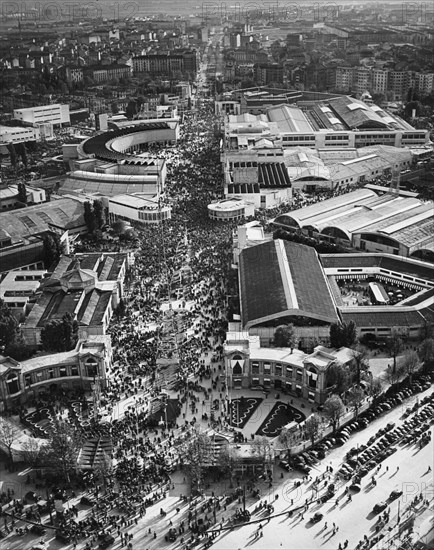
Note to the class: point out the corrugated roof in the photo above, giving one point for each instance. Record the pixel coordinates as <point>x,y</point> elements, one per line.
<point>65,213</point>
<point>289,119</point>
<point>274,280</point>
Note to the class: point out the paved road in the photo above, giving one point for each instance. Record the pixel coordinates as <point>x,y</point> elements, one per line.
<point>355,518</point>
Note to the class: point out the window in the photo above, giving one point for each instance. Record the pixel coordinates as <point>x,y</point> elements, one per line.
<point>278,370</point>
<point>311,396</point>
<point>27,380</point>
<point>62,371</point>
<point>255,381</point>
<point>255,368</point>
<point>74,370</point>
<point>13,383</point>
<point>267,382</point>
<point>267,368</point>
<point>91,368</point>
<point>288,372</point>
<point>50,373</point>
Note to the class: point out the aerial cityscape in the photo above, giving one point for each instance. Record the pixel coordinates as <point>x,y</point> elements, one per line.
<point>216,275</point>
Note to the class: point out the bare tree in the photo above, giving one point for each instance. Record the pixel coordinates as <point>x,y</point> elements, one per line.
<point>333,410</point>
<point>200,457</point>
<point>410,363</point>
<point>394,373</point>
<point>360,361</point>
<point>312,427</point>
<point>355,398</point>
<point>288,439</point>
<point>426,352</point>
<point>64,443</point>
<point>375,388</point>
<point>261,447</point>
<point>394,345</point>
<point>33,451</point>
<point>8,435</point>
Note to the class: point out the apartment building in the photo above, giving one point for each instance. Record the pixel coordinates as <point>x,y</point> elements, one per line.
<point>55,114</point>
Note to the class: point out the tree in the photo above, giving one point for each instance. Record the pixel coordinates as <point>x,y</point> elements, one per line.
<point>53,249</point>
<point>394,345</point>
<point>22,193</point>
<point>426,351</point>
<point>333,410</point>
<point>33,452</point>
<point>227,461</point>
<point>360,362</point>
<point>99,214</point>
<point>355,398</point>
<point>375,388</point>
<point>8,435</point>
<point>89,217</point>
<point>8,327</point>
<point>104,469</point>
<point>64,443</point>
<point>349,334</point>
<point>410,363</point>
<point>338,378</point>
<point>394,373</point>
<point>261,447</point>
<point>284,337</point>
<point>200,456</point>
<point>119,227</point>
<point>343,335</point>
<point>60,335</point>
<point>312,427</point>
<point>12,154</point>
<point>335,336</point>
<point>288,438</point>
<point>23,152</point>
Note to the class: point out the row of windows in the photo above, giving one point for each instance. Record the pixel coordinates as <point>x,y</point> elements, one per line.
<point>298,138</point>
<point>154,216</point>
<point>289,386</point>
<point>14,385</point>
<point>337,138</point>
<point>277,369</point>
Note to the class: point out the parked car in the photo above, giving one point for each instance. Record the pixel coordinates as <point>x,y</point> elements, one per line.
<point>379,507</point>
<point>394,495</point>
<point>107,541</point>
<point>316,518</point>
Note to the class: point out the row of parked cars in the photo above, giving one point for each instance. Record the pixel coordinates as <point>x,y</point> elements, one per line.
<point>390,399</point>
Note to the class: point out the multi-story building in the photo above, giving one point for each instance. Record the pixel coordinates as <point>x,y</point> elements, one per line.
<point>104,73</point>
<point>88,287</point>
<point>55,114</point>
<point>18,134</point>
<point>182,60</point>
<point>268,72</point>
<point>379,81</point>
<point>74,75</point>
<point>42,376</point>
<point>399,83</point>
<point>344,78</point>
<point>424,83</point>
<point>248,365</point>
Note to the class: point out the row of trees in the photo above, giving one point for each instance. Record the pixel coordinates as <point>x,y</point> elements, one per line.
<point>17,150</point>
<point>60,334</point>
<point>11,338</point>
<point>95,215</point>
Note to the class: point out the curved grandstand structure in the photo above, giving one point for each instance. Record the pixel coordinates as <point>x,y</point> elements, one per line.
<point>112,163</point>
<point>118,145</point>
